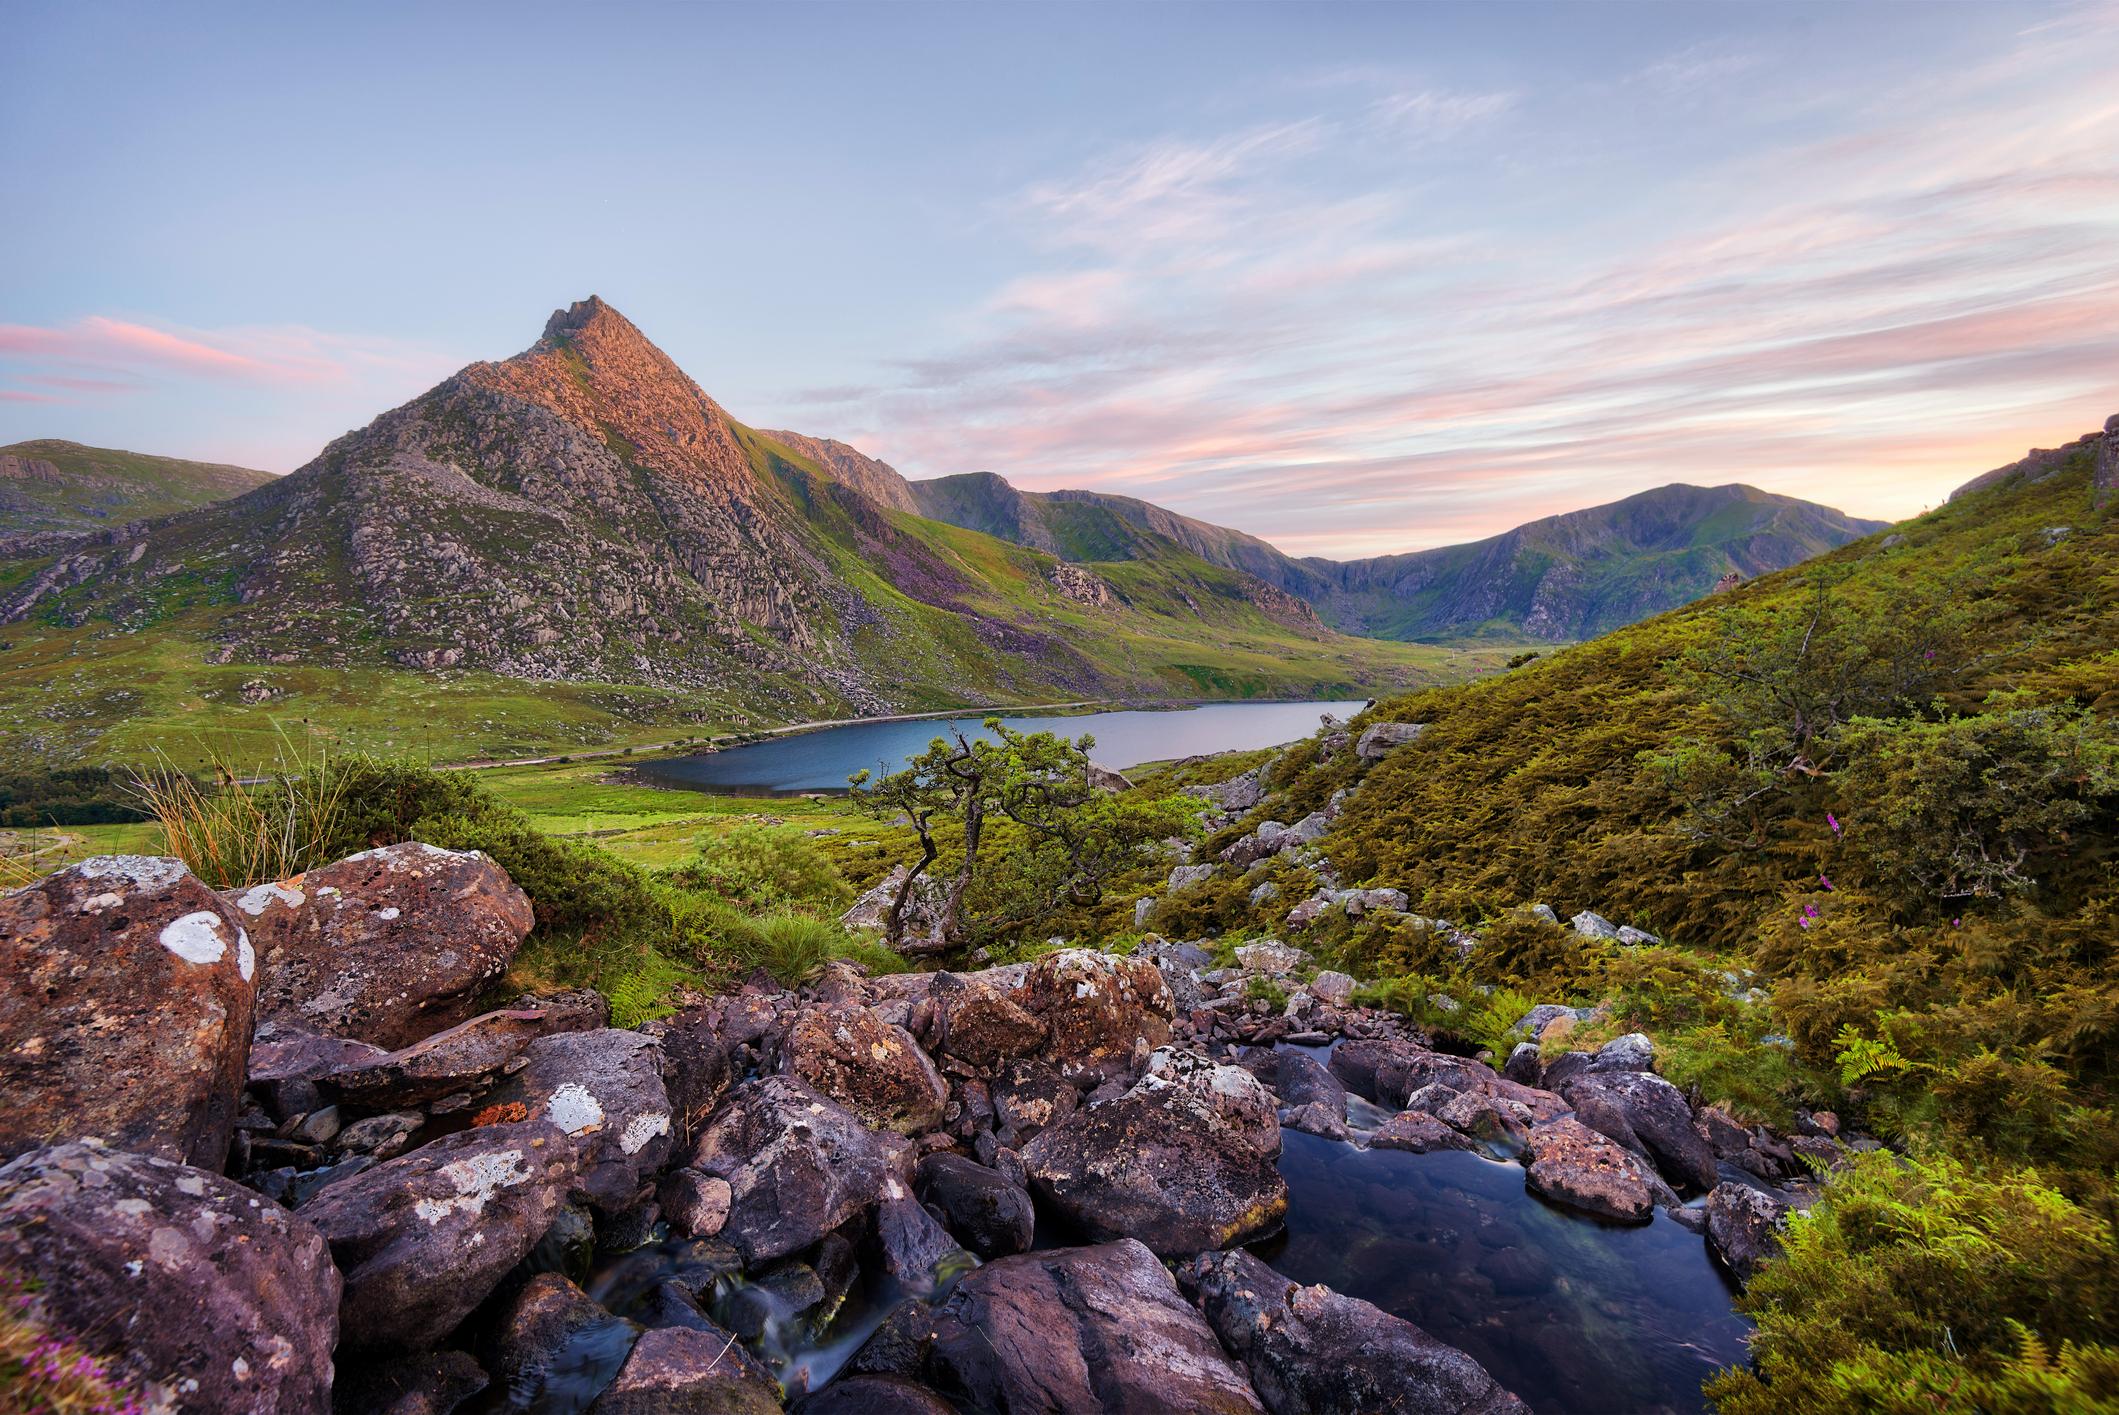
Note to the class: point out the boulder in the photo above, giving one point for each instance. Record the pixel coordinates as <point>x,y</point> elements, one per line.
<point>990,1216</point>
<point>553,1339</point>
<point>1102,1328</point>
<point>1591,924</point>
<point>797,1166</point>
<point>1313,1351</point>
<point>1744,1227</point>
<point>1333,987</point>
<point>874,1395</point>
<point>1418,1133</point>
<point>1632,1052</point>
<point>422,1239</point>
<point>1574,1165</point>
<point>1649,1116</point>
<point>980,1025</point>
<point>605,1090</point>
<point>467,1058</point>
<point>126,994</point>
<point>387,946</point>
<point>921,921</point>
<point>875,1070</point>
<point>679,1371</point>
<point>1270,956</point>
<point>1185,876</point>
<point>917,1252</point>
<point>1184,1160</point>
<point>189,1287</point>
<point>1096,1009</point>
<point>1380,739</point>
<point>695,1204</point>
<point>698,1058</point>
<point>1238,794</point>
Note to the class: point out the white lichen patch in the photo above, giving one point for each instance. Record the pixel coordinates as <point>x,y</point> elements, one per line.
<point>476,1180</point>
<point>196,937</point>
<point>387,914</point>
<point>258,898</point>
<point>641,1129</point>
<point>140,871</point>
<point>574,1110</point>
<point>246,957</point>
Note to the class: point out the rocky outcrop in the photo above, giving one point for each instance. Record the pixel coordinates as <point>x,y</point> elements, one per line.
<point>1313,1351</point>
<point>126,995</point>
<point>189,1287</point>
<point>1101,1013</point>
<point>422,1239</point>
<point>797,1166</point>
<point>463,1061</point>
<point>1649,1116</point>
<point>922,920</point>
<point>1184,1160</point>
<point>1075,1329</point>
<point>388,946</point>
<point>1381,739</point>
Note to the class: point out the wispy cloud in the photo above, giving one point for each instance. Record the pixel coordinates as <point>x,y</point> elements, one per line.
<point>1306,329</point>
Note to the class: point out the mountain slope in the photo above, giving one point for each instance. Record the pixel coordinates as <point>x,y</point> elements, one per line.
<point>583,513</point>
<point>1565,577</point>
<point>52,486</point>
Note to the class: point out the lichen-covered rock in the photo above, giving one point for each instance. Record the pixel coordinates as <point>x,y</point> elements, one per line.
<point>1097,1009</point>
<point>191,1288</point>
<point>919,1255</point>
<point>980,1025</point>
<point>1333,987</point>
<point>921,921</point>
<point>679,1371</point>
<point>1744,1227</point>
<point>1574,1165</point>
<point>126,996</point>
<point>875,1070</point>
<point>387,946</point>
<point>1270,956</point>
<point>1379,740</point>
<point>605,1090</point>
<point>1416,1132</point>
<point>797,1165</point>
<point>1184,1160</point>
<point>987,1214</point>
<point>422,1239</point>
<point>1101,1328</point>
<point>1313,1351</point>
<point>553,1336</point>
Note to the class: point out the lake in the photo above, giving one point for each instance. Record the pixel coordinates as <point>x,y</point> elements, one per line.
<point>822,760</point>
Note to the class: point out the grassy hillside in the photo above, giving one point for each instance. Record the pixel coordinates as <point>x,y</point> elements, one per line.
<point>49,485</point>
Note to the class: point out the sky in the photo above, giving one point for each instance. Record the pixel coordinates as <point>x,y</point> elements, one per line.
<point>1356,279</point>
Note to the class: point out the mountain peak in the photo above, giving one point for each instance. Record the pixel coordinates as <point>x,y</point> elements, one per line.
<point>584,317</point>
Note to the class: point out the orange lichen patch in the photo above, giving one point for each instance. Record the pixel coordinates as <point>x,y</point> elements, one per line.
<point>505,1114</point>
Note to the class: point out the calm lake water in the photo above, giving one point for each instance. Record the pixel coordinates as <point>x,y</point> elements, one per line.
<point>822,760</point>
<point>1575,1316</point>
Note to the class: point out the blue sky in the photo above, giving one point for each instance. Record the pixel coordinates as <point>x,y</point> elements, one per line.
<point>1356,278</point>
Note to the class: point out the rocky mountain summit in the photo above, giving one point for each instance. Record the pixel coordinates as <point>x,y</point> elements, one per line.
<point>584,512</point>
<point>263,1155</point>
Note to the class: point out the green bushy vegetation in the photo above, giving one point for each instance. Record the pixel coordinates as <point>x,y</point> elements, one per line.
<point>80,795</point>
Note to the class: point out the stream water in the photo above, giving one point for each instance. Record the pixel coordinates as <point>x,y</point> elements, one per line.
<point>822,760</point>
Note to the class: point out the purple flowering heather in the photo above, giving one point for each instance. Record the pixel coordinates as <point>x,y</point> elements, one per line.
<point>1832,821</point>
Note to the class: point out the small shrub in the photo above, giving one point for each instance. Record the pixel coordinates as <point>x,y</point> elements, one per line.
<point>764,867</point>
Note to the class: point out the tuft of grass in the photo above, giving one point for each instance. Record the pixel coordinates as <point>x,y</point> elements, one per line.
<point>235,833</point>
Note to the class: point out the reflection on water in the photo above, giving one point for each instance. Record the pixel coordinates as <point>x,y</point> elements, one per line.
<point>822,760</point>
<point>1572,1315</point>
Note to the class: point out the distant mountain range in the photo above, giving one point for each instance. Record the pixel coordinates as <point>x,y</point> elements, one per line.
<point>54,487</point>
<point>584,513</point>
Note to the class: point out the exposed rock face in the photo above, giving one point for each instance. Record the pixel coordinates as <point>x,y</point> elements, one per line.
<point>604,1089</point>
<point>1078,1329</point>
<point>126,993</point>
<point>797,1166</point>
<point>1184,1160</point>
<point>873,1069</point>
<point>921,921</point>
<point>990,1216</point>
<point>1574,1165</point>
<point>1313,1351</point>
<point>981,1025</point>
<point>422,1239</point>
<point>1417,1132</point>
<point>549,1333</point>
<point>678,1371</point>
<point>1744,1227</point>
<point>188,1285</point>
<point>1097,1010</point>
<point>387,946</point>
